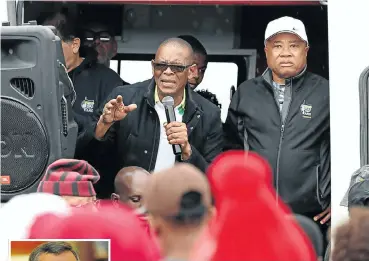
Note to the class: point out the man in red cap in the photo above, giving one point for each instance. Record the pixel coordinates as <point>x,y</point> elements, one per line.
<point>71,179</point>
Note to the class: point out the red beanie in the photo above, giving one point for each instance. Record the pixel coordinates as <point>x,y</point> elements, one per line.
<point>129,241</point>
<point>249,224</point>
<point>69,177</point>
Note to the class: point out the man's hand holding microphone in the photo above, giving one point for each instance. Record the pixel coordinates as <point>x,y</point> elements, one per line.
<point>113,111</point>
<point>176,131</point>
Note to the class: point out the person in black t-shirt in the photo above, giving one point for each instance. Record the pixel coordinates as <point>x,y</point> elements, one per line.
<point>92,82</point>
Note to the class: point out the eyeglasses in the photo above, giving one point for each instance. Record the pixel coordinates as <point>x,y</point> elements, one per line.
<point>176,68</point>
<point>102,36</point>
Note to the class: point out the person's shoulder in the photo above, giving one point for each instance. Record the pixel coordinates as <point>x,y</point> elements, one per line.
<point>207,106</point>
<point>106,71</point>
<point>316,77</point>
<point>250,83</point>
<point>135,88</point>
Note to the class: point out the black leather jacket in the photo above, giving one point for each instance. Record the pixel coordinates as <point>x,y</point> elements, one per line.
<point>134,141</point>
<point>295,141</point>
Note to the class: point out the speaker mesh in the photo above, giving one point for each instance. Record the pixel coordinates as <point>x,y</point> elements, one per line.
<point>24,146</point>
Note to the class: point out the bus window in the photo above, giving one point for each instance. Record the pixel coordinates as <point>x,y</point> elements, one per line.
<point>364,130</point>
<point>135,71</point>
<point>219,78</point>
<point>114,65</point>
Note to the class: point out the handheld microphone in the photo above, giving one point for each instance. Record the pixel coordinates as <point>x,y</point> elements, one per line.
<point>168,103</point>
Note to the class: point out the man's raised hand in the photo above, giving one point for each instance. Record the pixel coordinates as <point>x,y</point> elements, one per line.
<point>115,110</point>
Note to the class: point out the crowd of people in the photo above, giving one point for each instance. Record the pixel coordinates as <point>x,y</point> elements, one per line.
<point>238,190</point>
<point>182,215</point>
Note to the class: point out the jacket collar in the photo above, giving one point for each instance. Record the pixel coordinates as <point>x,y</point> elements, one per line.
<point>268,77</point>
<point>190,104</point>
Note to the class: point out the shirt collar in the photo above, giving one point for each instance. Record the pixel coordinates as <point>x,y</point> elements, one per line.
<point>180,107</point>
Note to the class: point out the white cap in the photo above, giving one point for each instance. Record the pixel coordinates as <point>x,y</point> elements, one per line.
<point>286,24</point>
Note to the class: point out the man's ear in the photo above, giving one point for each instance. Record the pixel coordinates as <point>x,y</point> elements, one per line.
<point>155,224</point>
<point>114,48</point>
<point>152,67</point>
<point>193,71</point>
<point>76,44</point>
<point>307,48</point>
<point>114,197</point>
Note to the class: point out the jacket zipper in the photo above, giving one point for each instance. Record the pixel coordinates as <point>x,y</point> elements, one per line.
<point>155,134</point>
<point>283,123</point>
<point>317,185</point>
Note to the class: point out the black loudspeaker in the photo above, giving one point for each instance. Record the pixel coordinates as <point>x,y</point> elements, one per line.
<point>37,125</point>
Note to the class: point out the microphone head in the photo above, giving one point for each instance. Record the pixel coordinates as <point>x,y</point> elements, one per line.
<point>168,101</point>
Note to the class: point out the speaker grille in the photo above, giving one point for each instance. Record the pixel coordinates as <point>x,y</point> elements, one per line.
<point>24,146</point>
<point>24,85</point>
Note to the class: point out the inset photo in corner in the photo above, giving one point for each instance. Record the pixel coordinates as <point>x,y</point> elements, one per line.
<point>60,250</point>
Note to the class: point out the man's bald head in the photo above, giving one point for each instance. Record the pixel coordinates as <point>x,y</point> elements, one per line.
<point>172,66</point>
<point>129,184</point>
<point>177,43</point>
<point>123,180</point>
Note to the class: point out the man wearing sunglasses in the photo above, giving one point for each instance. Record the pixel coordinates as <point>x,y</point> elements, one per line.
<point>92,82</point>
<point>99,37</point>
<point>132,126</point>
<point>200,59</point>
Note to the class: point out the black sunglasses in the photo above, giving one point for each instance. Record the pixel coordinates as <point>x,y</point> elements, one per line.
<point>173,67</point>
<point>103,36</point>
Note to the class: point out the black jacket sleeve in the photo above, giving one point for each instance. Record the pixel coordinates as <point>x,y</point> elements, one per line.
<point>213,144</point>
<point>86,139</point>
<point>235,135</point>
<point>325,171</point>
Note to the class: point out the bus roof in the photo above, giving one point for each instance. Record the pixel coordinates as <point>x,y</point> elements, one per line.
<point>219,2</point>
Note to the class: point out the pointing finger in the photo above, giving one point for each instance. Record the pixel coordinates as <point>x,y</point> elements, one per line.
<point>130,107</point>
<point>119,99</point>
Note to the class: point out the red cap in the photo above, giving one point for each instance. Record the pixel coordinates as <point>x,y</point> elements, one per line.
<point>249,224</point>
<point>129,241</point>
